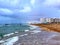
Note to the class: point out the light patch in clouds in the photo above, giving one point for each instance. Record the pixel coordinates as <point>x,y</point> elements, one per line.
<point>52,3</point>
<point>5,11</point>
<point>32,2</point>
<point>26,9</point>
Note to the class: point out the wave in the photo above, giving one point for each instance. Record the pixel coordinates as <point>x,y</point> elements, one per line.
<point>35,31</point>
<point>11,41</point>
<point>8,34</point>
<point>26,30</point>
<point>33,27</point>
<point>23,35</point>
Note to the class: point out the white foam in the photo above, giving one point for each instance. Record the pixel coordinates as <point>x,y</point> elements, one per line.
<point>32,27</point>
<point>23,35</point>
<point>35,31</point>
<point>16,32</point>
<point>2,41</point>
<point>11,41</point>
<point>8,34</point>
<point>26,30</point>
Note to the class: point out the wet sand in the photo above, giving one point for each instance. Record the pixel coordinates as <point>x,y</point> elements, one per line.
<point>41,38</point>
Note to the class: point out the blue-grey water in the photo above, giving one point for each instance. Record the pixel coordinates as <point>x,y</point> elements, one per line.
<point>10,28</point>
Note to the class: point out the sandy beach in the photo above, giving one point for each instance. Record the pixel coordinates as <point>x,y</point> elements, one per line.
<point>49,27</point>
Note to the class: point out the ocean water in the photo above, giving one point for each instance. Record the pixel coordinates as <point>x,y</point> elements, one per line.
<point>11,28</point>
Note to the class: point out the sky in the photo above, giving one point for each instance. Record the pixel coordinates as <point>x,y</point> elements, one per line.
<point>19,11</point>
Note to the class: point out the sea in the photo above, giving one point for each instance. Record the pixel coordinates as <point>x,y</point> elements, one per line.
<point>14,28</point>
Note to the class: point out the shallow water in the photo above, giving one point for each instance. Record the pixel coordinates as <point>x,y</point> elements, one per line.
<point>6,29</point>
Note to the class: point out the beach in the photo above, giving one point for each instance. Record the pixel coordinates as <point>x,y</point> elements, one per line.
<point>35,36</point>
<point>49,26</point>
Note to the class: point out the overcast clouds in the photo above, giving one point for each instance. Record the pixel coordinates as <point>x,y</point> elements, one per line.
<point>23,9</point>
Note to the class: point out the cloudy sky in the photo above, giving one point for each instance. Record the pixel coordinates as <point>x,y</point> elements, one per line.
<point>27,10</point>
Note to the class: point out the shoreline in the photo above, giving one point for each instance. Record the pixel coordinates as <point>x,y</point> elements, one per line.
<point>51,27</point>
